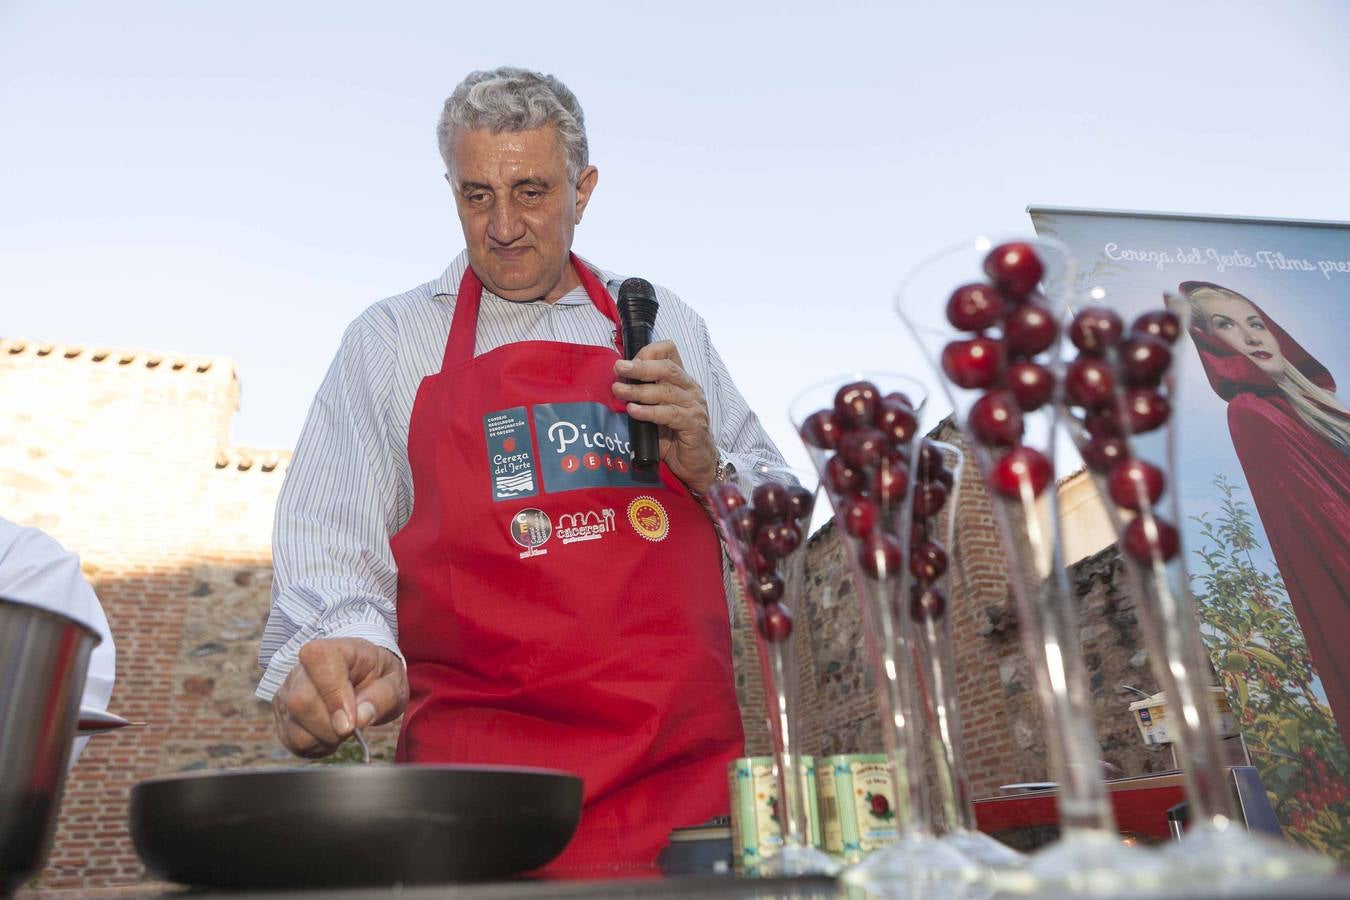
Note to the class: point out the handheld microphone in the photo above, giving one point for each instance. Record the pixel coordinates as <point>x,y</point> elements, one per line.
<point>637,316</point>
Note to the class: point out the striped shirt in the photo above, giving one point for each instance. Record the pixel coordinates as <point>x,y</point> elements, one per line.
<point>349,488</point>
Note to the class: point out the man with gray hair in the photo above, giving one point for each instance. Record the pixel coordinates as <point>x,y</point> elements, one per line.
<point>462,538</point>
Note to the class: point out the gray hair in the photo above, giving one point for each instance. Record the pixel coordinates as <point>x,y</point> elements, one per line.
<point>511,99</point>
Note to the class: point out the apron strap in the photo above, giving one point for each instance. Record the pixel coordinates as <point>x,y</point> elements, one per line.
<point>460,343</point>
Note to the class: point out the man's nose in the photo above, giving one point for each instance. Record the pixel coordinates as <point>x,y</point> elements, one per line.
<point>506,224</point>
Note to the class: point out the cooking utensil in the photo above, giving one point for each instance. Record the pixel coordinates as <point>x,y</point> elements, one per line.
<point>44,657</point>
<point>96,721</point>
<point>352,825</point>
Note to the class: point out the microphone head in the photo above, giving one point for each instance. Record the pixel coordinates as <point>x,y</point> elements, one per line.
<point>637,303</point>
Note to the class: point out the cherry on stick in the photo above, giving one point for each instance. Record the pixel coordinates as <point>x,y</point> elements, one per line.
<point>880,555</point>
<point>1159,324</point>
<point>863,447</point>
<point>926,602</point>
<point>727,497</point>
<point>1095,330</point>
<point>821,429</point>
<point>890,482</point>
<point>1022,469</point>
<point>1031,383</point>
<point>774,623</point>
<point>1144,360</point>
<point>770,501</point>
<point>1146,409</point>
<point>897,421</point>
<point>856,403</point>
<point>1102,454</point>
<point>859,515</point>
<point>975,307</point>
<point>843,478</point>
<point>800,502</point>
<point>768,587</point>
<point>1089,383</point>
<point>1029,329</point>
<point>1133,480</point>
<point>928,561</point>
<point>1015,268</point>
<point>777,540</point>
<point>929,497</point>
<point>975,363</point>
<point>1142,538</point>
<point>995,419</point>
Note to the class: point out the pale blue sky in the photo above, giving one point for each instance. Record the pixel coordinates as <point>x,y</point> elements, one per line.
<point>241,179</point>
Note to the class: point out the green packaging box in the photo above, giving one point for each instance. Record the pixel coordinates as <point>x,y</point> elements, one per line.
<point>755,834</point>
<point>857,804</point>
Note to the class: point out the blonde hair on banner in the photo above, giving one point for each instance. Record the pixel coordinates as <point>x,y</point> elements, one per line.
<point>1319,408</point>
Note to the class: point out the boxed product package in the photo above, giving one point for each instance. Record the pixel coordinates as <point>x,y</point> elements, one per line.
<point>1150,714</point>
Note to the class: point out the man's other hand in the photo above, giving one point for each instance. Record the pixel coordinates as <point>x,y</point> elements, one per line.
<point>676,403</point>
<point>338,685</point>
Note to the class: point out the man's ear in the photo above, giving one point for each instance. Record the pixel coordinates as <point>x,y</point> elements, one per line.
<point>585,184</point>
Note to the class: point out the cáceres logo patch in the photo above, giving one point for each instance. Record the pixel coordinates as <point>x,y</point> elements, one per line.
<point>648,518</point>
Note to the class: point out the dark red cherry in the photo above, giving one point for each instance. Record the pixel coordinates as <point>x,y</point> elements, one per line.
<point>757,562</point>
<point>918,532</point>
<point>1029,329</point>
<point>1031,383</point>
<point>928,561</point>
<point>880,555</point>
<point>800,502</point>
<point>771,501</point>
<point>1021,470</point>
<point>1102,454</point>
<point>1141,539</point>
<point>1015,268</point>
<point>890,482</point>
<point>744,523</point>
<point>767,588</point>
<point>975,363</point>
<point>855,403</point>
<point>1095,330</point>
<point>1133,480</point>
<point>1102,422</point>
<point>1089,383</point>
<point>863,446</point>
<point>975,307</point>
<point>929,496</point>
<point>897,421</point>
<point>930,459</point>
<point>900,397</point>
<point>1144,360</point>
<point>945,478</point>
<point>778,539</point>
<point>995,419</point>
<point>1146,409</point>
<point>926,602</point>
<point>859,516</point>
<point>1159,324</point>
<point>842,478</point>
<point>821,429</point>
<point>727,498</point>
<point>774,623</point>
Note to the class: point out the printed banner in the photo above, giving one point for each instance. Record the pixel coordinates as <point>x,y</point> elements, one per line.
<point>1264,480</point>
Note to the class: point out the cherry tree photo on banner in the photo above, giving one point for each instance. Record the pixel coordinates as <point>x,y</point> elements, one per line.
<point>1263,458</point>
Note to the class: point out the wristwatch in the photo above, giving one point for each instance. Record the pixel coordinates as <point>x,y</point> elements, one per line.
<point>724,469</point>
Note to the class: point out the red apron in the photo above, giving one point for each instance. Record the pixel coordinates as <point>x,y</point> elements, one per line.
<point>555,608</point>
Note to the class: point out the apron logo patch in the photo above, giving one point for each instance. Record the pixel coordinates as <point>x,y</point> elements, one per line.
<point>585,445</point>
<point>510,454</point>
<point>531,528</point>
<point>585,526</point>
<point>648,518</point>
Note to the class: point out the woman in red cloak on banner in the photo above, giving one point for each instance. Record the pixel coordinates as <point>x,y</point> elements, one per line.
<point>1292,436</point>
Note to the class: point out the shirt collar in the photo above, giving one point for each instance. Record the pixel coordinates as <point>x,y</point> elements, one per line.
<point>448,284</point>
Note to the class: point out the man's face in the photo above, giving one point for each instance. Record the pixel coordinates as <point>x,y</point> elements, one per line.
<point>518,209</point>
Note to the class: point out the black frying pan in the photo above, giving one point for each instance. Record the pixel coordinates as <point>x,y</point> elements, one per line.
<point>352,825</point>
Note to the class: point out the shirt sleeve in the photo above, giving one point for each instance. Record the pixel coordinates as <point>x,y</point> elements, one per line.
<point>334,573</point>
<point>735,427</point>
<point>34,568</point>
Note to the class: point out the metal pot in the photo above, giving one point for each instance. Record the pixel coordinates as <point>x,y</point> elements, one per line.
<point>44,657</point>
